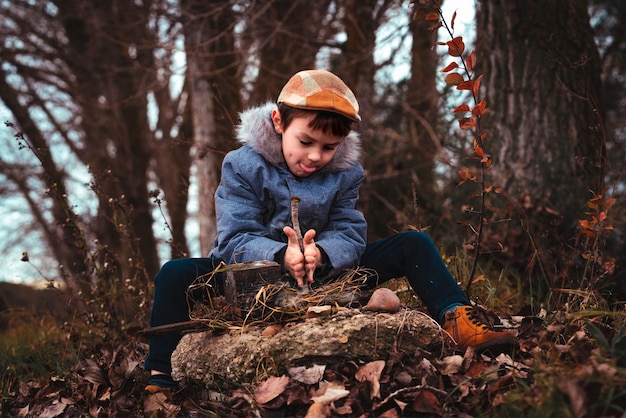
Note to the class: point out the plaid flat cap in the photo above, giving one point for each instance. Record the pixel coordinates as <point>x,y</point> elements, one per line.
<point>320,90</point>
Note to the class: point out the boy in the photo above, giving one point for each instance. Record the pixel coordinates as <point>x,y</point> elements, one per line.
<point>304,146</point>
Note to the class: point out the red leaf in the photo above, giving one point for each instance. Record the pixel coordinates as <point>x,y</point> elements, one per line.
<point>466,175</point>
<point>449,67</point>
<point>462,108</point>
<point>432,16</point>
<point>456,47</point>
<point>608,203</point>
<point>466,85</point>
<point>471,61</point>
<point>453,79</point>
<point>467,123</point>
<point>480,109</point>
<point>477,85</point>
<point>453,19</point>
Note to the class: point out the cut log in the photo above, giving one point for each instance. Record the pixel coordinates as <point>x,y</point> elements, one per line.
<point>242,282</point>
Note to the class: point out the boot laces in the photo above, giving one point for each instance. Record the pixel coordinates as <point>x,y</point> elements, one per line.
<point>482,317</point>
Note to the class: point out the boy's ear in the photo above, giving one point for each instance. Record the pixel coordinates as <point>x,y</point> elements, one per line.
<point>277,121</point>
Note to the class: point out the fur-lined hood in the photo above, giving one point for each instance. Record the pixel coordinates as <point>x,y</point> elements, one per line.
<point>256,130</point>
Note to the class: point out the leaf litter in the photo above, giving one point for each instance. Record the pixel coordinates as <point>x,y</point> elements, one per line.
<point>439,384</point>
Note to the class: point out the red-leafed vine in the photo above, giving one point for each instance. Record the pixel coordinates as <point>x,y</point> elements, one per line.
<point>461,73</point>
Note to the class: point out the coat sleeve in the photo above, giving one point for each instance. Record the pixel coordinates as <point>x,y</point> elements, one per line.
<point>242,233</point>
<point>344,238</point>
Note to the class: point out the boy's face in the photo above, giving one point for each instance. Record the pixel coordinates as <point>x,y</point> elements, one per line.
<point>306,150</point>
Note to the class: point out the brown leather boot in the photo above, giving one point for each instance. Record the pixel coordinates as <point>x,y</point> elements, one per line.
<point>161,383</point>
<point>470,326</point>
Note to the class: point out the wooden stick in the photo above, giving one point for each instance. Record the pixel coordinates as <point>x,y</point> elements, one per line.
<point>177,327</point>
<point>295,221</point>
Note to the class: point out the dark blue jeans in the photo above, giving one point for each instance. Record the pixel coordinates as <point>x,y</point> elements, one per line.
<point>411,254</point>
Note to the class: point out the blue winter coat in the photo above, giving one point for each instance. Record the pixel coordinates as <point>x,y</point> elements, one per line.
<point>252,201</point>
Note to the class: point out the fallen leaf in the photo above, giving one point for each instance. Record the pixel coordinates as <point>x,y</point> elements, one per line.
<point>342,410</point>
<point>403,377</point>
<point>401,405</point>
<point>330,392</point>
<point>158,404</point>
<point>427,403</point>
<point>270,389</point>
<point>307,375</point>
<point>450,365</point>
<point>53,410</point>
<point>371,372</point>
<point>91,372</point>
<point>296,394</point>
<point>390,413</point>
<point>22,412</point>
<point>576,395</point>
<point>318,410</point>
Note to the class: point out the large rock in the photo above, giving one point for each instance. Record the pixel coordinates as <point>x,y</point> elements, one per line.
<point>238,356</point>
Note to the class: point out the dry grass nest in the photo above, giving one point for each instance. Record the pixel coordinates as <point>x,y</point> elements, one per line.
<point>280,301</point>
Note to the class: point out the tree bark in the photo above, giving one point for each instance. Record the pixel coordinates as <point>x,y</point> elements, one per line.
<point>422,114</point>
<point>361,24</point>
<point>286,35</point>
<point>113,103</point>
<point>213,71</point>
<point>542,83</point>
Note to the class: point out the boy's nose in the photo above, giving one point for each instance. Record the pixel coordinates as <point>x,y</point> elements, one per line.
<point>314,156</point>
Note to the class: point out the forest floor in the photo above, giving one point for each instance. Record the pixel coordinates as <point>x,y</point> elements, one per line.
<point>566,365</point>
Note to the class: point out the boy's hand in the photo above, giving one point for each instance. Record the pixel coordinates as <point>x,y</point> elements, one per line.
<point>301,266</point>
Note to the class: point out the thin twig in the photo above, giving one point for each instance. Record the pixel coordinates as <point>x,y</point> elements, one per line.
<point>416,207</point>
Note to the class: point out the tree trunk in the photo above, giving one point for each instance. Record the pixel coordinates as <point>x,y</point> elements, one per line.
<point>359,70</point>
<point>422,104</point>
<point>542,82</point>
<point>287,35</point>
<point>113,100</point>
<point>213,71</point>
<point>173,167</point>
